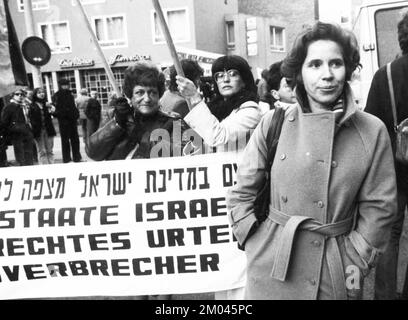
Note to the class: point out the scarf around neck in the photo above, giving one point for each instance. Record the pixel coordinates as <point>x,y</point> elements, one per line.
<point>221,108</point>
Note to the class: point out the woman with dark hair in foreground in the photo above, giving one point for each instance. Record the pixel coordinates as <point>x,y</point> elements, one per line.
<point>333,189</point>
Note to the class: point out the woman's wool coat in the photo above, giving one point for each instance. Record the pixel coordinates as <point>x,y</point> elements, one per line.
<point>333,198</point>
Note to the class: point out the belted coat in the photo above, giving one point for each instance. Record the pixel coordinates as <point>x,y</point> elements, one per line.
<point>333,198</point>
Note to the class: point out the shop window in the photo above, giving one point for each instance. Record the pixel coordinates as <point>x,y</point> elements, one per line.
<point>36,5</point>
<point>177,22</point>
<point>57,35</point>
<point>111,30</point>
<point>230,28</point>
<point>277,39</point>
<point>97,80</point>
<point>70,76</point>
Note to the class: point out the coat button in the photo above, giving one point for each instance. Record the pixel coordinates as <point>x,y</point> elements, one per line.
<point>291,118</point>
<point>312,282</point>
<point>334,164</point>
<point>284,199</point>
<point>320,204</point>
<point>316,243</point>
<point>283,156</point>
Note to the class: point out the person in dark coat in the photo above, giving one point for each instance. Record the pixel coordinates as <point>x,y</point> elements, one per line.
<point>3,140</point>
<point>28,101</point>
<point>67,115</point>
<point>134,131</point>
<point>379,104</point>
<point>138,130</point>
<point>42,126</point>
<point>93,111</point>
<point>15,118</point>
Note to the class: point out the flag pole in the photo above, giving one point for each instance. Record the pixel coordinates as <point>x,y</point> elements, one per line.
<point>107,68</point>
<point>169,42</point>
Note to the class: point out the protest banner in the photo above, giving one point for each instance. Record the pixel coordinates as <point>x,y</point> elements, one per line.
<point>118,228</point>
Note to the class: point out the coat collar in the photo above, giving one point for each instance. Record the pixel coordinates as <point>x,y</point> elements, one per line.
<point>349,104</point>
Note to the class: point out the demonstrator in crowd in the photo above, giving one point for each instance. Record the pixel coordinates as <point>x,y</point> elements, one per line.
<point>93,113</point>
<point>132,131</point>
<point>379,104</point>
<point>42,126</point>
<point>81,102</point>
<point>333,188</point>
<point>67,114</point>
<point>279,91</point>
<point>14,118</point>
<point>227,121</point>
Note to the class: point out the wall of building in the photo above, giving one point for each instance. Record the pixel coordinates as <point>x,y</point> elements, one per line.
<point>206,28</point>
<point>210,23</point>
<point>139,28</point>
<point>293,15</point>
<point>265,55</point>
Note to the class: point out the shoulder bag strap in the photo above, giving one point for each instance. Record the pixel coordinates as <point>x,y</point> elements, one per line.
<point>392,96</point>
<point>272,138</point>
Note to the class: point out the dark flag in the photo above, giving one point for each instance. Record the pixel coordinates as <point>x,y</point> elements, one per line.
<point>12,69</point>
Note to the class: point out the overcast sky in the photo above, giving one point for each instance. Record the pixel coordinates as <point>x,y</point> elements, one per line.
<point>332,10</point>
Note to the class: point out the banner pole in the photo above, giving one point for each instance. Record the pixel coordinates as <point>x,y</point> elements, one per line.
<point>169,42</point>
<point>30,30</point>
<point>168,38</point>
<point>107,68</point>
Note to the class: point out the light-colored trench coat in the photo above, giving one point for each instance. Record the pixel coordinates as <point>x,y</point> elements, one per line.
<point>333,197</point>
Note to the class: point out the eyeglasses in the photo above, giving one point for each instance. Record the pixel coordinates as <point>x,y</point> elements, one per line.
<point>20,94</point>
<point>232,74</point>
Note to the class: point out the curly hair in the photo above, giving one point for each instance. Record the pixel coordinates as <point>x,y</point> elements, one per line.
<point>292,64</point>
<point>143,74</point>
<point>192,71</point>
<point>403,33</point>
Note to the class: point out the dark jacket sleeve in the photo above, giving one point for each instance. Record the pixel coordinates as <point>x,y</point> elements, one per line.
<point>375,97</point>
<point>181,108</point>
<point>93,109</point>
<point>101,143</point>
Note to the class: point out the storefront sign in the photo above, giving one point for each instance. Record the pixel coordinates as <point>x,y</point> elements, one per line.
<point>76,62</point>
<point>122,58</point>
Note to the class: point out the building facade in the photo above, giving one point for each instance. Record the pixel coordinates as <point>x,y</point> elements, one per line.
<point>129,31</point>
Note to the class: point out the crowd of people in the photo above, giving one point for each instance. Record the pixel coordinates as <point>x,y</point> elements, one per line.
<point>334,193</point>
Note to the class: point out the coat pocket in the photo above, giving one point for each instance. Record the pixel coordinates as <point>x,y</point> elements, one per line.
<point>354,272</point>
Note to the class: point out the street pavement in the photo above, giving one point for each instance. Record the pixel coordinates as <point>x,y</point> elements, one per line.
<point>369,281</point>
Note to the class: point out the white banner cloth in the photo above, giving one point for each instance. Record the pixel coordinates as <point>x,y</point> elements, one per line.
<point>118,228</point>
